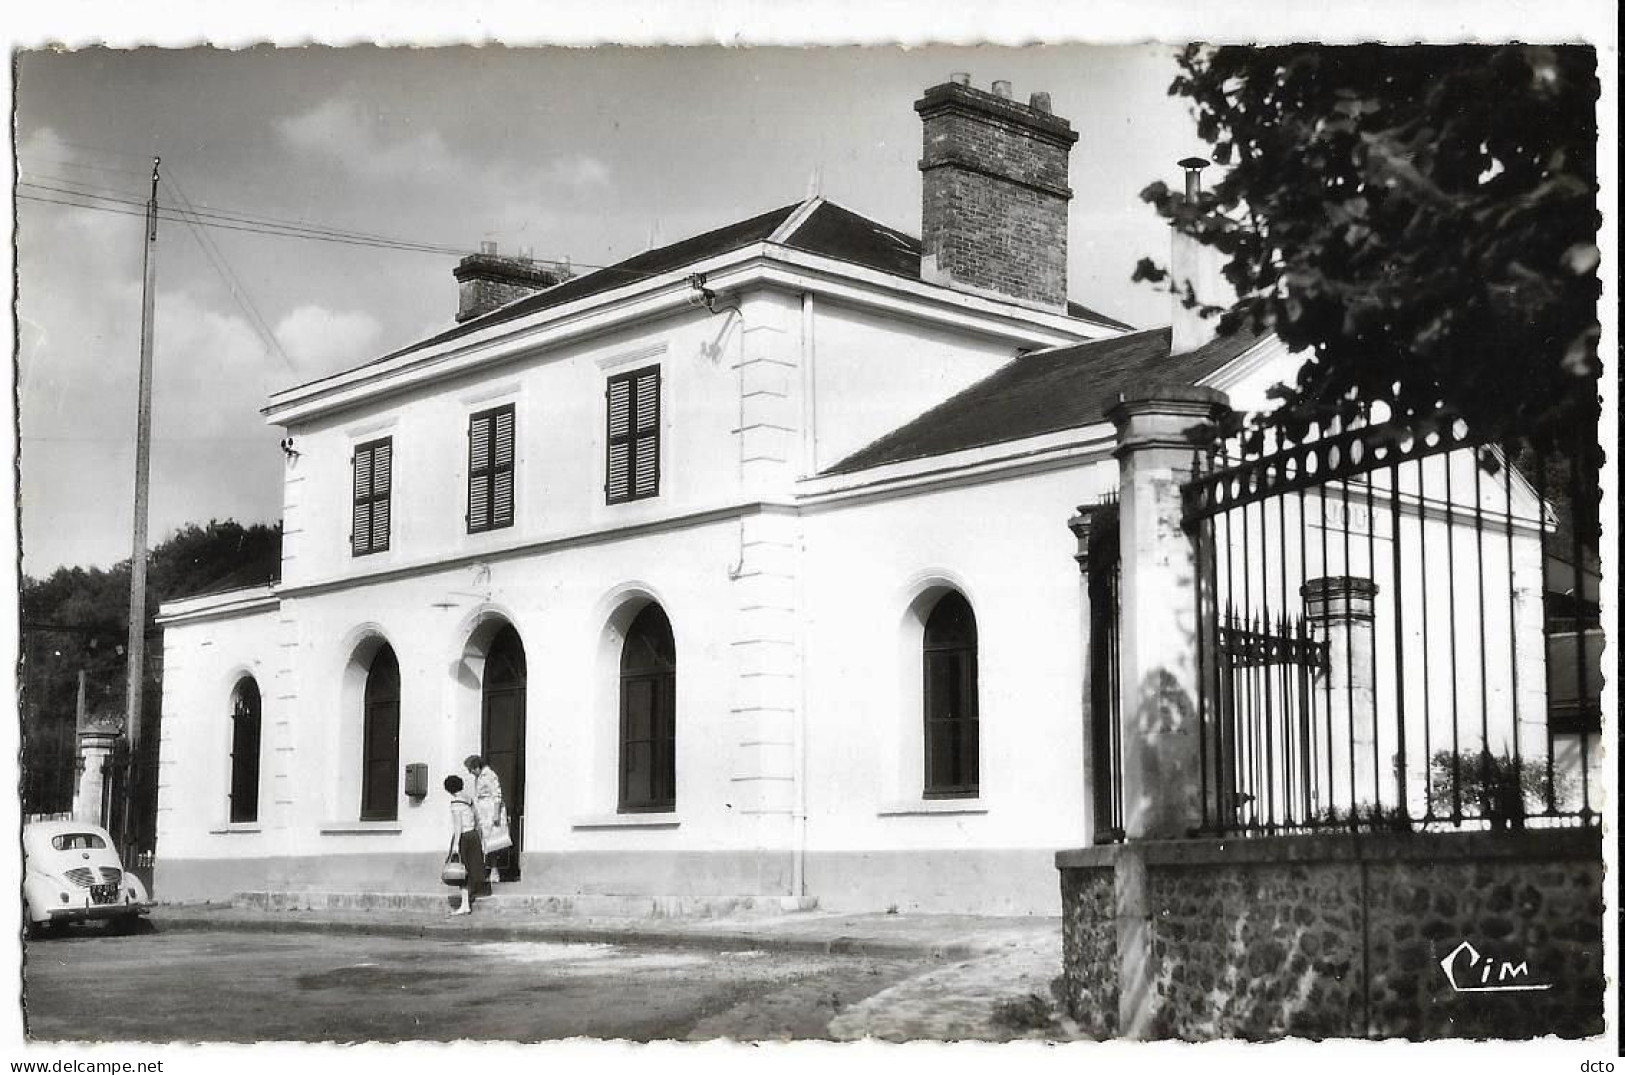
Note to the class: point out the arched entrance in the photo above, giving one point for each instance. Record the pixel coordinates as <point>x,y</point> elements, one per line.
<point>502,731</point>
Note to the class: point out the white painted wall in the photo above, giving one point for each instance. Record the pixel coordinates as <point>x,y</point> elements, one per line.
<point>203,663</point>
<point>1006,546</point>
<point>874,374</point>
<point>559,407</point>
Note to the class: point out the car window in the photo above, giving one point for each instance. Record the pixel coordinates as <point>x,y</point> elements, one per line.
<point>78,841</point>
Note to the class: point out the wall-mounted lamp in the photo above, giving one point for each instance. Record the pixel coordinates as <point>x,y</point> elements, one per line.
<point>288,448</point>
<point>703,296</point>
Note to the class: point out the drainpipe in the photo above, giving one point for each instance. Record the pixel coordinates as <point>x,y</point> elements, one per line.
<point>809,433</point>
<point>809,390</point>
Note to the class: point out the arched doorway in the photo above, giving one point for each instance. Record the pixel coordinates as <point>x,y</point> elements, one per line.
<point>502,732</point>
<point>381,739</point>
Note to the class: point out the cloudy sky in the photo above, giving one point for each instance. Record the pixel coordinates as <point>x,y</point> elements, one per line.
<point>588,153</point>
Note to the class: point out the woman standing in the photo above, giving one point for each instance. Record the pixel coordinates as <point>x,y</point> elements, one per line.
<point>465,836</point>
<point>488,807</point>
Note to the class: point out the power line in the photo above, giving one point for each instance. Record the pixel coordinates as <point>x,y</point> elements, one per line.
<point>262,225</point>
<point>231,220</point>
<point>172,215</point>
<point>229,277</point>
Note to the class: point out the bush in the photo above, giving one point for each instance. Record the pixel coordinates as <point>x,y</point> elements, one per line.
<point>1496,787</point>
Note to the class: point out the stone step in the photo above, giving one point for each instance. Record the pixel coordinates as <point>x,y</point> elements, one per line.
<point>582,905</point>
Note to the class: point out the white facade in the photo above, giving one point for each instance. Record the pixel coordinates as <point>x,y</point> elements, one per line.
<point>795,603</point>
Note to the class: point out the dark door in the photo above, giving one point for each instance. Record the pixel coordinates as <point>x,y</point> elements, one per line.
<point>502,733</point>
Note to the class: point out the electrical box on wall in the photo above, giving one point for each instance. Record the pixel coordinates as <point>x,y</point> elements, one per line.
<point>417,780</point>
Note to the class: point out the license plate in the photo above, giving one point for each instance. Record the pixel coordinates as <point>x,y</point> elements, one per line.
<point>104,893</point>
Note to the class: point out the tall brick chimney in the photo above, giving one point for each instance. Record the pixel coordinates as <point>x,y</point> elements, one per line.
<point>993,213</point>
<point>488,279</point>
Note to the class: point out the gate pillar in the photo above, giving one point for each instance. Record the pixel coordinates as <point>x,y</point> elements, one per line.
<point>1159,431</point>
<point>96,742</point>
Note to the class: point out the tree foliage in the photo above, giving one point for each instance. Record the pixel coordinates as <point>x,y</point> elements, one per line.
<point>1421,220</point>
<point>78,618</point>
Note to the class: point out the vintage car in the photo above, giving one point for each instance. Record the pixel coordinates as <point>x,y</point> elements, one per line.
<point>72,873</point>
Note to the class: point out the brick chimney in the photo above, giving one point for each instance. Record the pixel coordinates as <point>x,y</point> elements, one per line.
<point>994,206</point>
<point>488,279</point>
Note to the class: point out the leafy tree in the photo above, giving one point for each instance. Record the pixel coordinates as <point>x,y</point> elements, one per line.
<point>78,619</point>
<point>1421,220</point>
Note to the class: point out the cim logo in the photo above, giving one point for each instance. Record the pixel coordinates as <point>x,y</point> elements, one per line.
<point>1471,971</point>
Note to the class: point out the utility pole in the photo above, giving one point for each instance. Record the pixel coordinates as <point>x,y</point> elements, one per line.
<point>136,647</point>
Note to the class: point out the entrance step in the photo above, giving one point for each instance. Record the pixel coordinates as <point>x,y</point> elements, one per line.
<point>577,905</point>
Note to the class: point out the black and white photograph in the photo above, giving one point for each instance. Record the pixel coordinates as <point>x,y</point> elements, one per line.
<point>910,527</point>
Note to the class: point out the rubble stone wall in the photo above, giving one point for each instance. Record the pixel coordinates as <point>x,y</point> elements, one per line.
<point>1338,936</point>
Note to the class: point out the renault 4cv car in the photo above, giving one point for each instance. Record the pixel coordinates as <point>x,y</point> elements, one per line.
<point>72,873</point>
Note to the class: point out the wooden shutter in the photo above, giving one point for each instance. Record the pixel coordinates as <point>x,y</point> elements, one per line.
<point>369,521</point>
<point>633,465</point>
<point>490,469</point>
<point>618,482</point>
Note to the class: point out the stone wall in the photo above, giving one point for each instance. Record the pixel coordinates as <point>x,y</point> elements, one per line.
<point>1337,936</point>
<point>1089,939</point>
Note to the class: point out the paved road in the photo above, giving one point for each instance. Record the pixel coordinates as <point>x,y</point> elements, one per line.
<point>232,986</point>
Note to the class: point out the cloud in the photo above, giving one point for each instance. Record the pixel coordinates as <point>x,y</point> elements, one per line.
<point>319,340</point>
<point>347,132</point>
<point>371,145</point>
<point>79,302</point>
<point>578,170</point>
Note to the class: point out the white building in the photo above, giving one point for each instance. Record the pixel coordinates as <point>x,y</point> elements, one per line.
<point>746,561</point>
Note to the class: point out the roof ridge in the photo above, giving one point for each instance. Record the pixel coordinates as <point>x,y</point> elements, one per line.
<point>792,223</point>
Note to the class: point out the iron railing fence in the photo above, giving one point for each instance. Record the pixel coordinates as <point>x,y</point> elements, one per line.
<point>49,771</point>
<point>1373,632</point>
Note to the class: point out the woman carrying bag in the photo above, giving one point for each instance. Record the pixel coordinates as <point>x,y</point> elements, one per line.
<point>465,861</point>
<point>490,812</point>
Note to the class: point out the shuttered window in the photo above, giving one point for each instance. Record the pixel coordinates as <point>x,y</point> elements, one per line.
<point>490,469</point>
<point>633,466</point>
<point>369,524</point>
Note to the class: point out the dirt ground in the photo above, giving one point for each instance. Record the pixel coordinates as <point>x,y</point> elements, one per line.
<point>245,987</point>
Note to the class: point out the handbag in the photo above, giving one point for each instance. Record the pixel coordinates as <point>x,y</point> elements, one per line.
<point>453,872</point>
<point>499,838</point>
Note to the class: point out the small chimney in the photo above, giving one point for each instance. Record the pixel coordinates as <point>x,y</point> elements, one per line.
<point>993,215</point>
<point>1192,263</point>
<point>489,279</point>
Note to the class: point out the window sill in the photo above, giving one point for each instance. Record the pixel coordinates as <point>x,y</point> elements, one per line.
<point>625,821</point>
<point>368,828</point>
<point>235,827</point>
<point>926,807</point>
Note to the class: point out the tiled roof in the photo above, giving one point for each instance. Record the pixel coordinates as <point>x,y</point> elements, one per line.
<point>1045,392</point>
<point>638,267</point>
<point>828,229</point>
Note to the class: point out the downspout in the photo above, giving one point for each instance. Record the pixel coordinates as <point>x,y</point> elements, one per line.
<point>809,455</point>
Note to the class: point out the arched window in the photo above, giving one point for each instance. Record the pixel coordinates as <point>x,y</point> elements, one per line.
<point>381,739</point>
<point>648,715</point>
<point>952,743</point>
<point>244,796</point>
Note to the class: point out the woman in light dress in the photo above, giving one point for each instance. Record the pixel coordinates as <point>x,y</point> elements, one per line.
<point>488,808</point>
